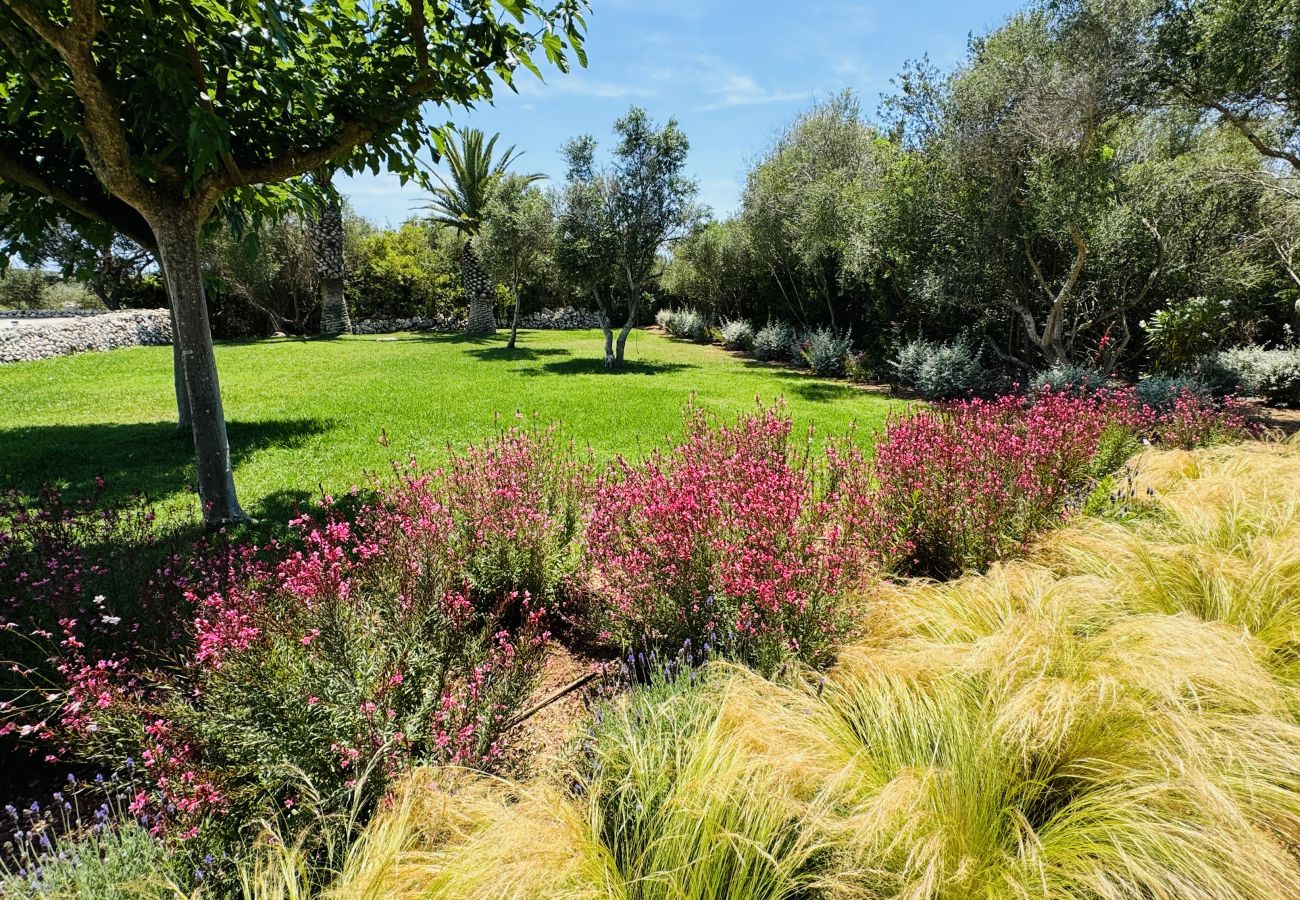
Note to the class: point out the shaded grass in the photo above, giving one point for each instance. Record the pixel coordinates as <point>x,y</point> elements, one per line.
<point>310,414</point>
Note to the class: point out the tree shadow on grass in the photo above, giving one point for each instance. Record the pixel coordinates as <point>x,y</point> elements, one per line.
<point>807,386</point>
<point>595,366</point>
<point>150,458</point>
<point>518,354</point>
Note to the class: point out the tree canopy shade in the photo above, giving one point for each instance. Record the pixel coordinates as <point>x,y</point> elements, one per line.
<point>151,117</point>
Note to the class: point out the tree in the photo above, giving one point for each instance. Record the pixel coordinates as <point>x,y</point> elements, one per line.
<point>518,231</point>
<point>326,229</point>
<point>461,202</point>
<point>802,201</point>
<point>151,117</point>
<point>586,247</point>
<point>616,223</point>
<point>711,268</point>
<point>1240,61</point>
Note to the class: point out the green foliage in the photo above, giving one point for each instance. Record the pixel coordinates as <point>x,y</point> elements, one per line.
<point>1273,375</point>
<point>1184,332</point>
<point>825,351</point>
<point>263,280</point>
<point>34,289</point>
<point>518,233</point>
<point>941,371</point>
<point>461,198</point>
<point>711,268</point>
<point>404,273</point>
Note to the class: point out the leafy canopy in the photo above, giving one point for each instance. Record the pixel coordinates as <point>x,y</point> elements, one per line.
<point>209,99</point>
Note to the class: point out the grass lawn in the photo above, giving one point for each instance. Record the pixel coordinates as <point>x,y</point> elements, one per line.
<point>309,414</point>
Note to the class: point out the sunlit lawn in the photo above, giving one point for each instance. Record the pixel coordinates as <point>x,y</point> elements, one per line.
<point>309,414</point>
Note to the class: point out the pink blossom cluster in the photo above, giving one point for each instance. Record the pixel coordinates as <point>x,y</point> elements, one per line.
<point>958,486</point>
<point>717,541</point>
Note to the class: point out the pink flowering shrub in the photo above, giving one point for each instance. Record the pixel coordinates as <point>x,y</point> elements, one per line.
<point>86,592</point>
<point>517,504</point>
<point>960,485</point>
<point>722,541</point>
<point>335,659</point>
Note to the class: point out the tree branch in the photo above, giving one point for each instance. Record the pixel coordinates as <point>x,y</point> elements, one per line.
<point>107,210</point>
<point>1239,122</point>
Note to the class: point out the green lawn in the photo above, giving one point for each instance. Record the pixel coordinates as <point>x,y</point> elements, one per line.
<point>307,414</point>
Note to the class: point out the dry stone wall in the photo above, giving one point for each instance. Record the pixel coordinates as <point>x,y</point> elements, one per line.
<point>24,337</point>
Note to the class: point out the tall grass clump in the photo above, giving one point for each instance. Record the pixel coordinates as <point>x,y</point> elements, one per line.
<point>663,804</point>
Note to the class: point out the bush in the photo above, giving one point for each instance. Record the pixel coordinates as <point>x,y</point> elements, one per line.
<point>941,371</point>
<point>1218,379</point>
<point>1071,378</point>
<point>720,542</point>
<point>517,504</point>
<point>858,368</point>
<point>83,583</point>
<point>960,486</point>
<point>411,629</point>
<point>1272,375</point>
<point>773,342</point>
<point>737,334</point>
<point>664,318</point>
<point>687,324</point>
<point>825,351</point>
<point>1161,392</point>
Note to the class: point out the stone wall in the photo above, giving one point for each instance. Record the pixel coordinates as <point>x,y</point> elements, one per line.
<point>25,341</point>
<point>566,318</point>
<point>69,313</point>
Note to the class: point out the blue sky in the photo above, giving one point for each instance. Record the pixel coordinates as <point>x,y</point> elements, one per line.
<point>732,73</point>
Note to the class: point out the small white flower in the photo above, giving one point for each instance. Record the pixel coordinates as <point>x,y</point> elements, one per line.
<point>99,599</point>
<point>51,697</point>
<point>111,620</point>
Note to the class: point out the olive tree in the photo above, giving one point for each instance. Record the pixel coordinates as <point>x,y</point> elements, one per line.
<point>151,117</point>
<point>614,223</point>
<point>518,232</point>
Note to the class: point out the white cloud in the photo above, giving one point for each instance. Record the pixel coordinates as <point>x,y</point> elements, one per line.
<point>574,85</point>
<point>737,89</point>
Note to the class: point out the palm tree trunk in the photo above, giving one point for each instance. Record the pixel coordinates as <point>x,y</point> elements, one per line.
<point>478,291</point>
<point>327,243</point>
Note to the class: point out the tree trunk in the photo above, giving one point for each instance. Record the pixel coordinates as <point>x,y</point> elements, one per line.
<point>183,420</point>
<point>633,307</point>
<point>514,323</point>
<point>178,252</point>
<point>327,245</point>
<point>602,316</point>
<point>478,291</point>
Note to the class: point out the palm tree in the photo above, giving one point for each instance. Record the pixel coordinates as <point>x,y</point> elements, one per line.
<point>459,202</point>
